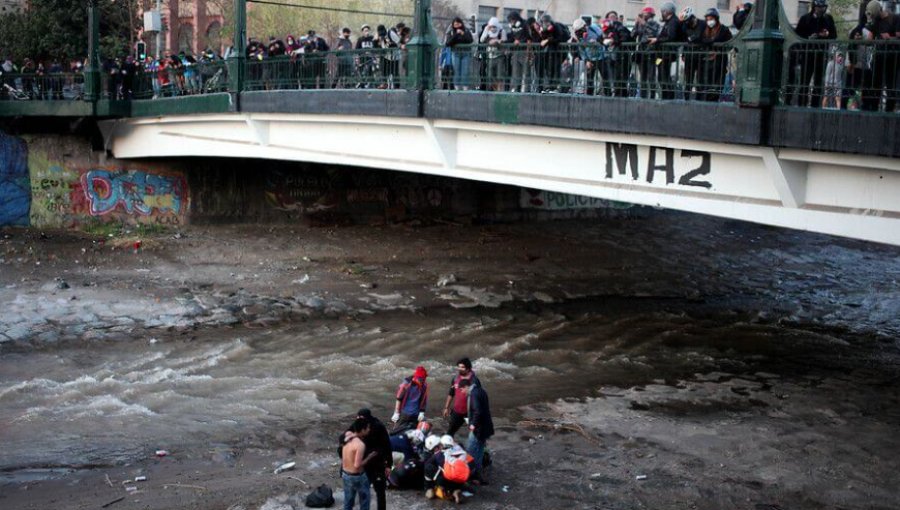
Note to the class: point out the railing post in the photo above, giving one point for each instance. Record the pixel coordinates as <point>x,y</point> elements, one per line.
<point>760,57</point>
<point>421,49</point>
<point>237,62</point>
<point>92,70</point>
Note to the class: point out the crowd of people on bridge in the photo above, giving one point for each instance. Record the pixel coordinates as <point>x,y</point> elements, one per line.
<point>412,455</point>
<point>668,53</point>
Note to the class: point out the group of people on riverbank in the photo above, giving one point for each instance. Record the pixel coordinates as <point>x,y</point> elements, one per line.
<point>411,454</point>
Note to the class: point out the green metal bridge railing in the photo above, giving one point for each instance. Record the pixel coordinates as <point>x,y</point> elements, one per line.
<point>765,65</point>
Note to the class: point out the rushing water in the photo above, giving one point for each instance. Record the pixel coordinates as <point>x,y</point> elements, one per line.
<point>102,404</point>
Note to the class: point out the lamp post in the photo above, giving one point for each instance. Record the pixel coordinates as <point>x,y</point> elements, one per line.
<point>421,49</point>
<point>92,69</point>
<point>237,62</point>
<point>759,60</point>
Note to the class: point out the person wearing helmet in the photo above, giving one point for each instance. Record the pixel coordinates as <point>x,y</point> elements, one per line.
<point>446,470</point>
<point>692,27</point>
<point>715,59</point>
<point>592,53</point>
<point>669,32</point>
<point>810,58</point>
<point>411,401</point>
<point>645,29</point>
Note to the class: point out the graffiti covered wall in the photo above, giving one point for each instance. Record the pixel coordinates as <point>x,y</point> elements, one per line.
<point>70,187</point>
<point>15,196</point>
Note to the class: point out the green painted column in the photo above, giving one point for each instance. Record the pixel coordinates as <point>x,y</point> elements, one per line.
<point>760,55</point>
<point>92,71</point>
<point>421,57</point>
<point>237,64</point>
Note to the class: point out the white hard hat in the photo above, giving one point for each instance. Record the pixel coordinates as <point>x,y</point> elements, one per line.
<point>447,441</point>
<point>431,442</point>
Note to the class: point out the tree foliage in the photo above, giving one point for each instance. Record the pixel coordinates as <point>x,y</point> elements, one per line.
<point>57,29</point>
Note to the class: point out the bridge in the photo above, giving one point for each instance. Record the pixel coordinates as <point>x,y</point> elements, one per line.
<point>762,150</point>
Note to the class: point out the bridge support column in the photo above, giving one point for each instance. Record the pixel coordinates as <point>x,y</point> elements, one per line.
<point>92,71</point>
<point>421,48</point>
<point>759,60</point>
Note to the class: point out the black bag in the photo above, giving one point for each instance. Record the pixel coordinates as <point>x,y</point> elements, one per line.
<point>321,497</point>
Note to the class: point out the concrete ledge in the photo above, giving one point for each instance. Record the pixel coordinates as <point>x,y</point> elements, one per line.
<point>390,103</point>
<point>184,105</point>
<point>700,121</point>
<point>71,108</point>
<point>871,134</point>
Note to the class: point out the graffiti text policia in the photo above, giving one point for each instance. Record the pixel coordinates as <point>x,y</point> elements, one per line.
<point>662,167</point>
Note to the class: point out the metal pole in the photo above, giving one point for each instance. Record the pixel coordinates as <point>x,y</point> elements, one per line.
<point>760,57</point>
<point>421,56</point>
<point>237,62</point>
<point>159,32</point>
<point>92,69</point>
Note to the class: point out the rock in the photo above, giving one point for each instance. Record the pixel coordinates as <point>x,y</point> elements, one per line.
<point>61,284</point>
<point>277,503</point>
<point>448,279</point>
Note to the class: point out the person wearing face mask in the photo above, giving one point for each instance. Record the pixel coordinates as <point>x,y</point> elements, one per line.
<point>344,49</point>
<point>553,34</point>
<point>715,61</point>
<point>615,35</point>
<point>456,408</point>
<point>367,65</point>
<point>810,58</point>
<point>493,37</point>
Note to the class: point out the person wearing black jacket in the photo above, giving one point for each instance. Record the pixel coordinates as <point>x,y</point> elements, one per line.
<point>715,61</point>
<point>481,426</point>
<point>741,14</point>
<point>616,38</point>
<point>670,33</point>
<point>520,39</point>
<point>379,468</point>
<point>693,29</point>
<point>552,35</point>
<point>458,38</point>
<point>814,25</point>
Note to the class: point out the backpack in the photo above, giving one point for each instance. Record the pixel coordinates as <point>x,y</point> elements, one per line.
<point>456,467</point>
<point>564,31</point>
<point>321,497</point>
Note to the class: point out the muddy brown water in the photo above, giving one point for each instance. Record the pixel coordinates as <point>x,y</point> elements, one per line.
<point>684,322</point>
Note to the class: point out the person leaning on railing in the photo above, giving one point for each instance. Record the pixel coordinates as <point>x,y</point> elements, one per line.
<point>645,29</point>
<point>715,62</point>
<point>810,58</point>
<point>553,34</point>
<point>519,38</point>
<point>616,38</point>
<point>592,53</point>
<point>458,38</point>
<point>495,66</point>
<point>692,28</point>
<point>670,32</point>
<point>884,26</point>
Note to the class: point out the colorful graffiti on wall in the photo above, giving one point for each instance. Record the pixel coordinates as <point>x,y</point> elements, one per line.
<point>15,196</point>
<point>68,197</point>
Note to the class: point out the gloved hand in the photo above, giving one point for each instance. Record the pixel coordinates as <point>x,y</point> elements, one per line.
<point>466,420</point>
<point>395,418</point>
<point>422,416</point>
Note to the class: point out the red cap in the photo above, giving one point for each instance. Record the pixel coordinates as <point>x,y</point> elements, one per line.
<point>420,373</point>
<point>648,10</point>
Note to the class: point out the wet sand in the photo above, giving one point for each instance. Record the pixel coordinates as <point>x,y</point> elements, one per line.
<point>732,365</point>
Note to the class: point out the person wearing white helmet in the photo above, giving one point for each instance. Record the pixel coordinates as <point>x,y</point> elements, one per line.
<point>692,28</point>
<point>447,470</point>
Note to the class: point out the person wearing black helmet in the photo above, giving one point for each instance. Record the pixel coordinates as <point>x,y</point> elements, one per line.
<point>815,25</point>
<point>715,62</point>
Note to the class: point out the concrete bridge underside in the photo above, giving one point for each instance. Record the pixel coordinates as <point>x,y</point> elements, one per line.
<point>841,194</point>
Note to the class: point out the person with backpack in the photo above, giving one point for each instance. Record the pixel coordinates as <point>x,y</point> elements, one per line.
<point>412,399</point>
<point>446,471</point>
<point>593,56</point>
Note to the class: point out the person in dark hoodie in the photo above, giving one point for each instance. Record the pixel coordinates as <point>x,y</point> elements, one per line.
<point>481,426</point>
<point>379,468</point>
<point>616,37</point>
<point>458,38</point>
<point>814,25</point>
<point>741,14</point>
<point>519,40</point>
<point>344,48</point>
<point>318,47</point>
<point>553,34</point>
<point>715,62</point>
<point>670,32</point>
<point>367,64</point>
<point>692,28</point>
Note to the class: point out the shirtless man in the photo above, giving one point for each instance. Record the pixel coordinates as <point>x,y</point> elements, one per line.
<point>353,463</point>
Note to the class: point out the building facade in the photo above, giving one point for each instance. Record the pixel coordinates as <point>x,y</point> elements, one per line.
<point>11,6</point>
<point>188,25</point>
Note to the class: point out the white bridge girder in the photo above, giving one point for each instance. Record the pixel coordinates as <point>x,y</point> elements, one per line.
<point>845,195</point>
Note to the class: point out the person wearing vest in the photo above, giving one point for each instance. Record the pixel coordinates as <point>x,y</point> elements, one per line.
<point>412,399</point>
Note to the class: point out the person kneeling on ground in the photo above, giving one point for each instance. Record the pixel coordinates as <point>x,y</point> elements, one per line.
<point>447,471</point>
